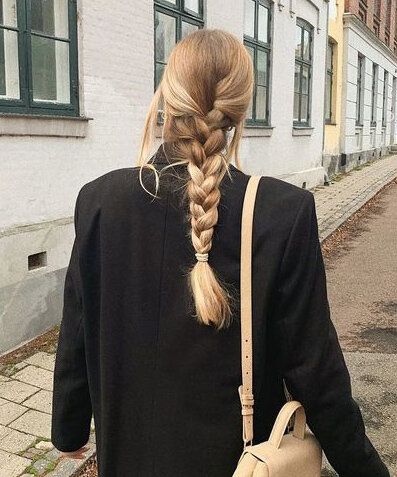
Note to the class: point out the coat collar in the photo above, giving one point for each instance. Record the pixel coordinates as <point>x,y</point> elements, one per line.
<point>162,155</point>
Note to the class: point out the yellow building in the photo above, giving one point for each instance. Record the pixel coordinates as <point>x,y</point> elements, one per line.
<point>333,90</point>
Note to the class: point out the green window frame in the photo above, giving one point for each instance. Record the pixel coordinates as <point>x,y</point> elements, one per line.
<point>385,98</point>
<point>329,82</point>
<point>360,89</point>
<point>303,73</point>
<point>374,94</point>
<point>38,57</point>
<point>257,40</point>
<point>173,20</point>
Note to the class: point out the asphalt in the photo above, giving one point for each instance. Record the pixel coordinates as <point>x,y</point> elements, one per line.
<point>362,291</point>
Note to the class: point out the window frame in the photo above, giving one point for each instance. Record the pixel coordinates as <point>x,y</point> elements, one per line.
<point>330,74</point>
<point>304,26</point>
<point>385,97</point>
<point>180,13</point>
<point>26,104</point>
<point>360,89</point>
<point>257,45</point>
<point>374,94</point>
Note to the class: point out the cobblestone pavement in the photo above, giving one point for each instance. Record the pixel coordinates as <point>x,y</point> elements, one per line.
<point>25,387</point>
<point>338,201</point>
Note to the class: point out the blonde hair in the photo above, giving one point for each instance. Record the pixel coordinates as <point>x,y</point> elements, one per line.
<point>205,91</point>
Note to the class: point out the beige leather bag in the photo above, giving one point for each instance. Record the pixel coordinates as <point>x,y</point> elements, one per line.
<point>296,454</point>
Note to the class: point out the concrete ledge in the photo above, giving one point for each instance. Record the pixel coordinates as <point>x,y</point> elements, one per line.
<point>253,131</point>
<point>30,125</point>
<point>302,131</point>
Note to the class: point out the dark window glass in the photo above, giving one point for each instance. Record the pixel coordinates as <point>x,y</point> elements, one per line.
<point>44,80</point>
<point>303,73</point>
<point>173,20</point>
<point>329,82</point>
<point>360,90</point>
<point>257,39</point>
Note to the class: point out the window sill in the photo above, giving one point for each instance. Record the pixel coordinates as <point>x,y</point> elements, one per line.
<point>31,125</point>
<point>302,131</point>
<point>258,131</point>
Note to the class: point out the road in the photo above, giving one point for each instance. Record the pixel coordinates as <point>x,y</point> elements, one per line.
<point>362,290</point>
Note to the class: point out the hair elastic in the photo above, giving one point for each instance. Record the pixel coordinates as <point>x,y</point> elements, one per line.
<point>202,257</point>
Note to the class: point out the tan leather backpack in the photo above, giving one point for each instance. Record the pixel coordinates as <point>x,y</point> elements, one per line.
<point>297,453</point>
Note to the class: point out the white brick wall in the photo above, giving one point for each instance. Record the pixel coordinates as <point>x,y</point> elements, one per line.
<point>40,176</point>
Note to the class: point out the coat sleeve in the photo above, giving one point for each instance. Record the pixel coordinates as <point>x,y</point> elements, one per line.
<point>71,406</point>
<point>312,362</point>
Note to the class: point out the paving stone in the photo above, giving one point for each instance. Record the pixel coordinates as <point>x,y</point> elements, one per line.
<point>34,422</point>
<point>42,360</point>
<point>12,465</point>
<point>68,467</point>
<point>44,445</point>
<point>39,377</point>
<point>41,401</point>
<point>41,466</point>
<point>19,366</point>
<point>15,441</point>
<point>53,455</point>
<point>4,379</point>
<point>10,411</point>
<point>16,391</point>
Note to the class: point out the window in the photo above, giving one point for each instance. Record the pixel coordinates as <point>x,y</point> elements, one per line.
<point>38,57</point>
<point>329,82</point>
<point>374,94</point>
<point>257,40</point>
<point>173,20</point>
<point>385,94</point>
<point>360,90</point>
<point>303,73</point>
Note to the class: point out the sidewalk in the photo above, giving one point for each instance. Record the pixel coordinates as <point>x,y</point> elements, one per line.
<point>26,384</point>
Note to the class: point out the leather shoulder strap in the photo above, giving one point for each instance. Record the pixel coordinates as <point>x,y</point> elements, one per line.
<point>246,390</point>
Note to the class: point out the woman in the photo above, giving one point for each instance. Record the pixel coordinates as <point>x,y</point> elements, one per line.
<point>150,337</point>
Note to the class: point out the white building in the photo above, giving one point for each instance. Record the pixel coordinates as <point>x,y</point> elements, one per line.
<point>369,96</point>
<point>76,79</point>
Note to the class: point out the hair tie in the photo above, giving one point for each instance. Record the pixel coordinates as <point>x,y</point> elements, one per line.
<point>202,257</point>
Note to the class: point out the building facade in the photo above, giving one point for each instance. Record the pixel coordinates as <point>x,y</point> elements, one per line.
<point>76,79</point>
<point>369,84</point>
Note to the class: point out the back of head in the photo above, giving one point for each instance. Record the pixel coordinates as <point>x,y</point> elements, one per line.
<point>205,92</point>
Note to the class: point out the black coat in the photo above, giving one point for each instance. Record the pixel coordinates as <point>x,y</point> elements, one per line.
<point>163,388</point>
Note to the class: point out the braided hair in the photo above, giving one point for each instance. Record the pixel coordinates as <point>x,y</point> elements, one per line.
<point>206,89</point>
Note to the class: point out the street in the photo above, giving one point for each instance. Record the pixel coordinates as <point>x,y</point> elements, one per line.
<point>362,278</point>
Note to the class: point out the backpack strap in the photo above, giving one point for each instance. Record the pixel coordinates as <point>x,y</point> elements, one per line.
<point>246,389</point>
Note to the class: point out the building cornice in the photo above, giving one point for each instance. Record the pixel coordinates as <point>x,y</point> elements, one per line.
<point>349,19</point>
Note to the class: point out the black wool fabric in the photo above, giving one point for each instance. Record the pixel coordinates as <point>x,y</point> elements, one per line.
<point>163,388</point>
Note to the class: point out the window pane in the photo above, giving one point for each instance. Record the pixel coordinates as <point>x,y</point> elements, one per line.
<point>329,56</point>
<point>188,28</point>
<point>305,79</point>
<point>328,92</point>
<point>297,82</point>
<point>193,5</point>
<point>304,108</point>
<point>262,67</point>
<point>261,97</point>
<point>250,107</point>
<point>249,18</point>
<point>50,70</point>
<point>306,45</point>
<point>50,17</point>
<point>298,42</point>
<point>9,70</point>
<point>159,72</point>
<point>296,106</point>
<point>8,13</point>
<point>165,26</point>
<point>263,24</point>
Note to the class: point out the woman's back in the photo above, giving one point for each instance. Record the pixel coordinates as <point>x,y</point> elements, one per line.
<point>150,336</point>
<point>163,387</point>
